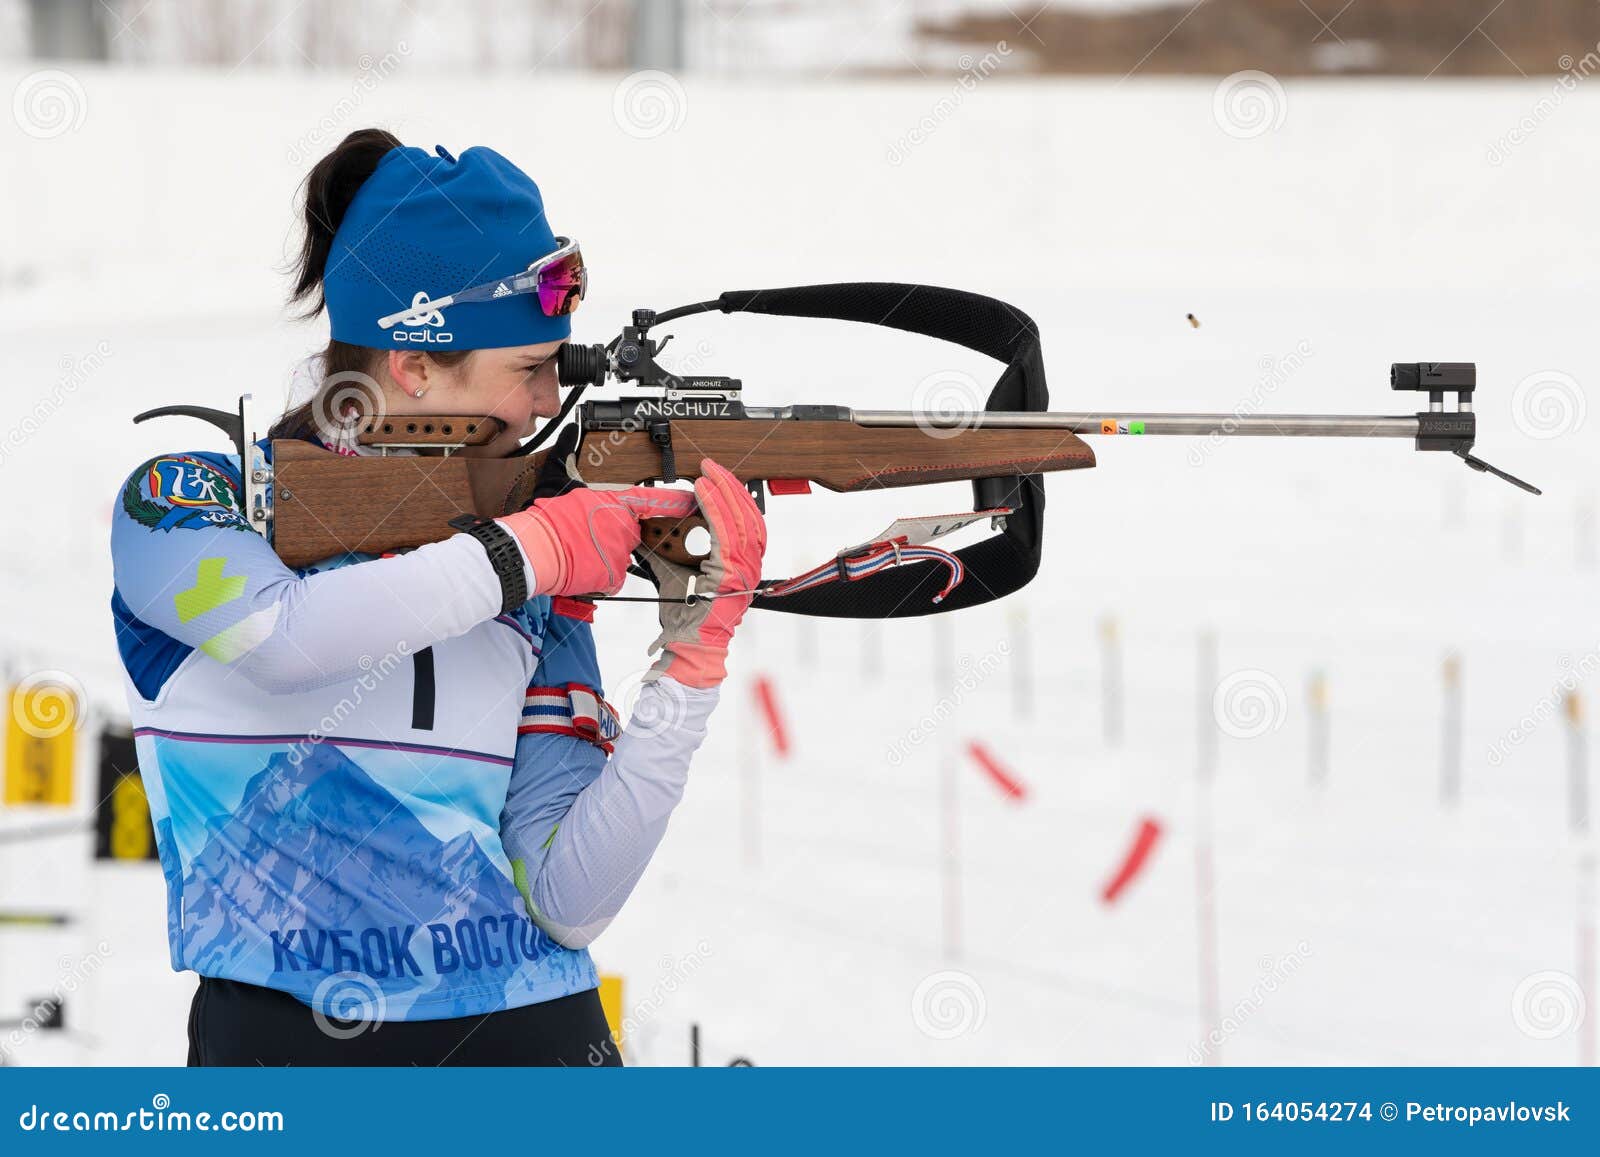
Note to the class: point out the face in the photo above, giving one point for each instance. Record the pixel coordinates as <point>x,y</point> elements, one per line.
<point>516,384</point>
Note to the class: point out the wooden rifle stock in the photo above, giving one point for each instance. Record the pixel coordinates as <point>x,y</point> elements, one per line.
<point>326,504</point>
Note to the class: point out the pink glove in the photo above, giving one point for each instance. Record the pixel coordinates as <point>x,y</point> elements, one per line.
<point>694,639</point>
<point>579,543</point>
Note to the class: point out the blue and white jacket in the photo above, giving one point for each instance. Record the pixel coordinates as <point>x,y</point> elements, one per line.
<point>371,789</point>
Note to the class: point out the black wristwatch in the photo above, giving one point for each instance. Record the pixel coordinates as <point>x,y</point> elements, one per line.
<point>504,555</point>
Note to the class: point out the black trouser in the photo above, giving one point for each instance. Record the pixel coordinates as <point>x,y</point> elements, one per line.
<point>242,1024</point>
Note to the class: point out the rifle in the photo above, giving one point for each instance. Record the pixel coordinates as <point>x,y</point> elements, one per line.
<point>316,504</point>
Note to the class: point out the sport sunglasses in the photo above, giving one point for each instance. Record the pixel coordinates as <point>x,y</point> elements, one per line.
<point>559,278</point>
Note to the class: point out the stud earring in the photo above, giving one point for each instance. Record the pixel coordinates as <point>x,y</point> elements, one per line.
<point>417,393</point>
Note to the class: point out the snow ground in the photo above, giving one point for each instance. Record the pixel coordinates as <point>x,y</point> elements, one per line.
<point>1371,226</point>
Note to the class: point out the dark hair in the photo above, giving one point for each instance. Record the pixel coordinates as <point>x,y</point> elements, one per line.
<point>326,194</point>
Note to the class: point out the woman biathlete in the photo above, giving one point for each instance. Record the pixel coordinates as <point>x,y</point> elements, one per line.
<point>391,804</point>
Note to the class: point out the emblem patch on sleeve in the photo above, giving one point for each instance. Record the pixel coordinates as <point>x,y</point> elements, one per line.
<point>182,490</point>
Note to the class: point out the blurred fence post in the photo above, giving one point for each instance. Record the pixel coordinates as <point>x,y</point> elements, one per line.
<point>655,38</point>
<point>950,824</point>
<point>1578,815</point>
<point>949,799</point>
<point>70,29</point>
<point>1513,533</point>
<point>871,648</point>
<point>944,658</point>
<point>1584,536</point>
<point>750,725</point>
<point>1586,954</point>
<point>1206,949</point>
<point>1207,679</point>
<point>1021,664</point>
<point>1577,764</point>
<point>1450,746</point>
<point>1317,700</point>
<point>805,643</point>
<point>806,627</point>
<point>1111,680</point>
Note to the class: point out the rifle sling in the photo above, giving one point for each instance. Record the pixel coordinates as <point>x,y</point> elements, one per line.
<point>998,565</point>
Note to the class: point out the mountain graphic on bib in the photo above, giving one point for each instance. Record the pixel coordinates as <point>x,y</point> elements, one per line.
<point>320,848</point>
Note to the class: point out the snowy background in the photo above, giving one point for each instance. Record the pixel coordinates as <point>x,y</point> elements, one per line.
<point>801,909</point>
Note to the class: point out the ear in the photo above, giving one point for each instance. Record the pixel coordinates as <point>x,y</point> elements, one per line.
<point>409,369</point>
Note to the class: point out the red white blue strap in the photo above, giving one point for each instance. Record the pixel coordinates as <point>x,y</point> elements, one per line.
<point>869,560</point>
<point>572,709</point>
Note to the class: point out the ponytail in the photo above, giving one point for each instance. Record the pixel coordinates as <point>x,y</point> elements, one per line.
<point>326,193</point>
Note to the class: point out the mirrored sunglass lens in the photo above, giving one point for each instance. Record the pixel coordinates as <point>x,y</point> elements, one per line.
<point>562,285</point>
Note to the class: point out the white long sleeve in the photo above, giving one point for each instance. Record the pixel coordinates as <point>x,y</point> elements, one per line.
<point>593,859</point>
<point>326,622</point>
<point>218,586</point>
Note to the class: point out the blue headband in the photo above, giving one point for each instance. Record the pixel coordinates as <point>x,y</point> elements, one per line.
<point>425,226</point>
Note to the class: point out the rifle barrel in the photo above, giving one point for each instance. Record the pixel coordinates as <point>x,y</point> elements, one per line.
<point>1190,425</point>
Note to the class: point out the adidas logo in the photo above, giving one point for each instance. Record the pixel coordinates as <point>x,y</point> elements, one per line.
<point>502,290</point>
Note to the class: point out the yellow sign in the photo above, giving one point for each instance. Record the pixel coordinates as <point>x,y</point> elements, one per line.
<point>611,1002</point>
<point>41,731</point>
<point>132,836</point>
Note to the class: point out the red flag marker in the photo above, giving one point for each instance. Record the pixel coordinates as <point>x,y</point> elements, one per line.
<point>767,699</point>
<point>1144,842</point>
<point>1009,784</point>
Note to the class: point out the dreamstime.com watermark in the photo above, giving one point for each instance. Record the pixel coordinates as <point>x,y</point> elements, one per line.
<point>373,673</point>
<point>948,1004</point>
<point>1249,104</point>
<point>370,74</point>
<point>1549,404</point>
<point>75,371</point>
<point>1573,73</point>
<point>1547,707</point>
<point>973,73</point>
<point>1548,1004</point>
<point>675,972</point>
<point>1275,973</point>
<point>74,970</point>
<point>49,103</point>
<point>1275,371</point>
<point>651,707</point>
<point>160,1117</point>
<point>649,103</point>
<point>1250,703</point>
<point>45,704</point>
<point>357,1002</point>
<point>973,673</point>
<point>947,403</point>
